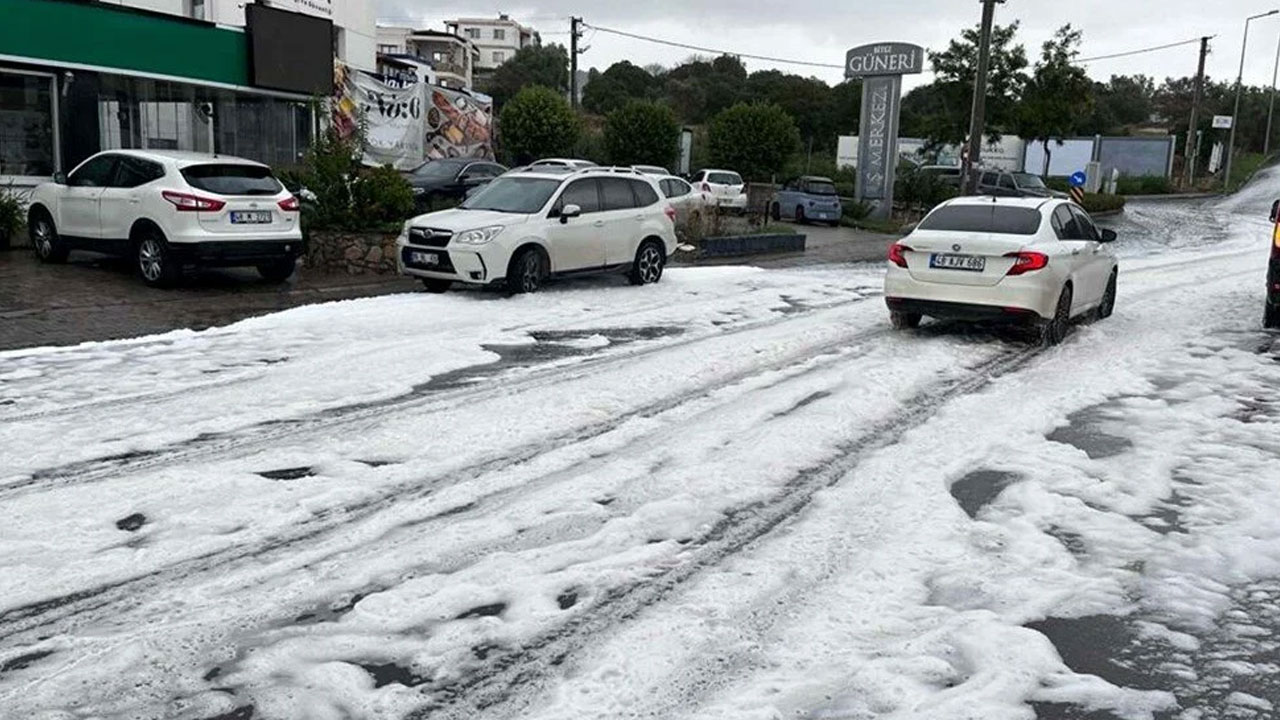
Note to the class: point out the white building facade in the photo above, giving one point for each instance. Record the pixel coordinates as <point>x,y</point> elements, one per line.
<point>498,39</point>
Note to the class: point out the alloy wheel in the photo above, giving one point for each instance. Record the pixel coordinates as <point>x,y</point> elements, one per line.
<point>650,265</point>
<point>43,236</point>
<point>530,273</point>
<point>150,259</point>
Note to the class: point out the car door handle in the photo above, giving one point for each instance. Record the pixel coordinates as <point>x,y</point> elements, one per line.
<point>640,218</point>
<point>598,223</point>
<point>135,200</point>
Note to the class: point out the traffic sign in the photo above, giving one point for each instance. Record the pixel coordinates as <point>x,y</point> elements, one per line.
<point>1077,179</point>
<point>1223,122</point>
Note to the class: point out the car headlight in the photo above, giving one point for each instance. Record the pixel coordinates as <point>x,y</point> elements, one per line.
<point>478,237</point>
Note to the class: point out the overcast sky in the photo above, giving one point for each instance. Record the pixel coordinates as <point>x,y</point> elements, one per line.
<point>821,30</point>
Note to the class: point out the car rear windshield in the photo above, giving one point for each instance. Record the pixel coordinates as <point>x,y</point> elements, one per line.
<point>724,178</point>
<point>513,195</point>
<point>984,218</point>
<point>231,179</point>
<point>821,188</point>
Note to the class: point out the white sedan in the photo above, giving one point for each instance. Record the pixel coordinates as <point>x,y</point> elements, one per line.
<point>1031,260</point>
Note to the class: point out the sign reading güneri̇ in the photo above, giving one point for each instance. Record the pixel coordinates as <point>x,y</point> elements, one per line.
<point>884,59</point>
<point>881,67</point>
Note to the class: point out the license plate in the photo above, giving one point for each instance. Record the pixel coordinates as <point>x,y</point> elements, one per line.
<point>250,217</point>
<point>424,258</point>
<point>972,263</point>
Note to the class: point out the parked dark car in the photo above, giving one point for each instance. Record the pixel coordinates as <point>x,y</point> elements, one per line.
<point>450,178</point>
<point>1271,309</point>
<point>1002,183</point>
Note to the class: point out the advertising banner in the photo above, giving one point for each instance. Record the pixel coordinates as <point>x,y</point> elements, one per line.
<point>408,121</point>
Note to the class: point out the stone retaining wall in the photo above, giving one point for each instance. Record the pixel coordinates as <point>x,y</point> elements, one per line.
<point>356,253</point>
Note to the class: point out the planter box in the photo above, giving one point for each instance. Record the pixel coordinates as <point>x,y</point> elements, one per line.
<point>356,253</point>
<point>731,245</point>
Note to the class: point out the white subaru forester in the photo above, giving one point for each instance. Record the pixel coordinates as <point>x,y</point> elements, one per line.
<point>531,224</point>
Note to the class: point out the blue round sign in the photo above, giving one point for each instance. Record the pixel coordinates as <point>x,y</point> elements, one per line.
<point>1077,179</point>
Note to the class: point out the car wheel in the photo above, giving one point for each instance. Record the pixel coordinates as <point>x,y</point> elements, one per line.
<point>800,215</point>
<point>1054,330</point>
<point>904,320</point>
<point>156,265</point>
<point>44,238</point>
<point>1108,304</point>
<point>278,271</point>
<point>648,265</point>
<point>527,272</point>
<point>1271,316</point>
<point>436,286</point>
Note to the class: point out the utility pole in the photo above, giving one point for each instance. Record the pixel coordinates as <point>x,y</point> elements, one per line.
<point>1235,117</point>
<point>575,33</point>
<point>978,119</point>
<point>1193,147</point>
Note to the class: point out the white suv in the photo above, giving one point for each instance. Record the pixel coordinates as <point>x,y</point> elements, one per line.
<point>168,210</point>
<point>531,224</point>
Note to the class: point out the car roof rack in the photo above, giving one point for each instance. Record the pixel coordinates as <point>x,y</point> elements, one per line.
<point>615,169</point>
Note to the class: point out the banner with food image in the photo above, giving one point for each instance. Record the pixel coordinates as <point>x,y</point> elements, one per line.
<point>458,124</point>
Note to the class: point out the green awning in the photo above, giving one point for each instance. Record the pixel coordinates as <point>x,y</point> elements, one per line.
<point>110,37</point>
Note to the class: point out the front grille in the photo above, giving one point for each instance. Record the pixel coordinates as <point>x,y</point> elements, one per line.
<point>430,237</point>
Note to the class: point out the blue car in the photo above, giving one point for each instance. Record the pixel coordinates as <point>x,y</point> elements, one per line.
<point>808,198</point>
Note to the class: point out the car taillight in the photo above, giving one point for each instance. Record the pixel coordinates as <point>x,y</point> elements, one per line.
<point>289,204</point>
<point>192,203</point>
<point>897,254</point>
<point>1275,241</point>
<point>670,212</point>
<point>1025,262</point>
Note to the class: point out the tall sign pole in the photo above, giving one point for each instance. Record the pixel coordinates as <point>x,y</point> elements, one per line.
<point>881,67</point>
<point>978,118</point>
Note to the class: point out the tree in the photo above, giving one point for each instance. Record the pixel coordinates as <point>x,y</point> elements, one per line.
<point>537,123</point>
<point>808,100</point>
<point>545,65</point>
<point>698,88</point>
<point>1125,101</point>
<point>1058,97</point>
<point>615,87</point>
<point>753,139</point>
<point>956,72</point>
<point>641,133</point>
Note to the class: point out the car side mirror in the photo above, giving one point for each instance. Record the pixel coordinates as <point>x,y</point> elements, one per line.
<point>1275,211</point>
<point>569,211</point>
<point>61,179</point>
<point>1108,235</point>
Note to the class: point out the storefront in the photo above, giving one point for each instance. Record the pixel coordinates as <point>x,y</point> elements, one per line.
<point>79,77</point>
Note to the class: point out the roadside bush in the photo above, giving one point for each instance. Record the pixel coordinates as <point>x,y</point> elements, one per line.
<point>1096,203</point>
<point>538,123</point>
<point>590,144</point>
<point>1143,185</point>
<point>380,197</point>
<point>921,191</point>
<point>10,215</point>
<point>641,133</point>
<point>753,139</point>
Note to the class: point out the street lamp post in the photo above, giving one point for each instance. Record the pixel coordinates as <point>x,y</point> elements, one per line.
<point>1271,106</point>
<point>1235,118</point>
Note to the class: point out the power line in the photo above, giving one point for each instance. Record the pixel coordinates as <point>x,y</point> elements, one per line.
<point>711,50</point>
<point>1137,52</point>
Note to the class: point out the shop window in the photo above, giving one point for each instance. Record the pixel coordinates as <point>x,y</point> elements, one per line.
<point>26,125</point>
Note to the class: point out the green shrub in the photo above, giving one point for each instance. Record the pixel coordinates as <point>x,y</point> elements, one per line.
<point>10,215</point>
<point>380,197</point>
<point>537,123</point>
<point>1095,203</point>
<point>1143,185</point>
<point>641,133</point>
<point>753,139</point>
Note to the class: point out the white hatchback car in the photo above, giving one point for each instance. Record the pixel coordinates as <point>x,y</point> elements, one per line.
<point>724,188</point>
<point>529,225</point>
<point>690,203</point>
<point>1031,260</point>
<point>167,210</point>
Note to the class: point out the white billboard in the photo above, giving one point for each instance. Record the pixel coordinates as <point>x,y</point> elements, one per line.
<point>1005,154</point>
<point>1069,157</point>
